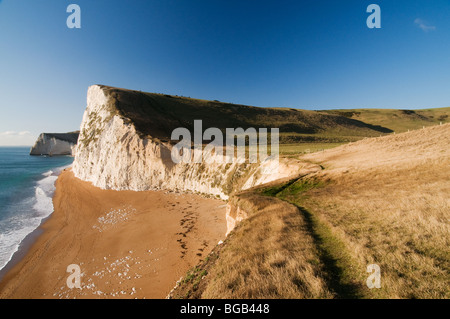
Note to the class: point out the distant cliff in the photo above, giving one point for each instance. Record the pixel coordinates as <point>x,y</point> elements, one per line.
<point>124,144</point>
<point>55,144</point>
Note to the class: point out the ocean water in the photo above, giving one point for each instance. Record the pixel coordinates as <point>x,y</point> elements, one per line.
<point>27,184</point>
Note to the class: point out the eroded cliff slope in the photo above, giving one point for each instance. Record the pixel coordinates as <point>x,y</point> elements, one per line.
<point>55,144</point>
<point>125,144</point>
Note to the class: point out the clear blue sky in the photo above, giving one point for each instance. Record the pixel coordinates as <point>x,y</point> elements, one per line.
<point>302,54</point>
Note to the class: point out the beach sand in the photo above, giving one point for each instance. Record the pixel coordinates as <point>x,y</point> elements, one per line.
<point>127,244</point>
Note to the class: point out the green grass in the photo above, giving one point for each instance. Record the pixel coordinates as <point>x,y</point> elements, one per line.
<point>156,115</point>
<point>194,276</point>
<point>398,120</point>
<point>299,187</point>
<point>274,190</point>
<point>301,131</point>
<point>342,275</point>
<point>295,187</point>
<point>306,148</point>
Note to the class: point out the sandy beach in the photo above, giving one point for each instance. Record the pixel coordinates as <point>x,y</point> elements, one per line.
<point>127,244</point>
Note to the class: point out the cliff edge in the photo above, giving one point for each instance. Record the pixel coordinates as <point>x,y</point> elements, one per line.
<point>125,144</point>
<point>55,144</point>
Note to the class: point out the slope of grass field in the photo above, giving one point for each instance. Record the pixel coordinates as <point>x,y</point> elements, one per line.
<point>381,201</point>
<point>269,255</point>
<point>301,131</point>
<point>388,200</point>
<point>157,115</point>
<point>398,120</point>
<point>380,198</point>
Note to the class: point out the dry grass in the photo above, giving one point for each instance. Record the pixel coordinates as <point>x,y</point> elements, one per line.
<point>305,148</point>
<point>269,255</point>
<point>389,203</point>
<point>157,115</point>
<point>398,120</point>
<point>381,200</point>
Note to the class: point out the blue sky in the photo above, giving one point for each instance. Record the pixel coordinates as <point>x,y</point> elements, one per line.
<point>302,54</point>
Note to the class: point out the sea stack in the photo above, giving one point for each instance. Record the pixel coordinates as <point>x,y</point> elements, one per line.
<point>53,144</point>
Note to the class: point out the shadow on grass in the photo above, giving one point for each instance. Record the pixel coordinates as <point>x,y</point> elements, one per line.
<point>337,264</point>
<point>337,278</point>
<point>274,190</point>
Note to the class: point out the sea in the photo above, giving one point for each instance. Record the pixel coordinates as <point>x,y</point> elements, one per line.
<point>27,184</point>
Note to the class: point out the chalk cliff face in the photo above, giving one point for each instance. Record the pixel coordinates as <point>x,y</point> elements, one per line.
<point>55,144</point>
<point>113,154</point>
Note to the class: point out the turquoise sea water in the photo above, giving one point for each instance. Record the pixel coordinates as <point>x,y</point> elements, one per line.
<point>26,190</point>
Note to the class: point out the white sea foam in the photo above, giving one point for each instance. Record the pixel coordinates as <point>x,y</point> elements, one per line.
<point>49,173</point>
<point>43,194</point>
<point>21,226</point>
<point>10,241</point>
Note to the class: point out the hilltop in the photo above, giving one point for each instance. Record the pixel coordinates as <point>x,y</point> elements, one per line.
<point>125,144</point>
<point>156,115</point>
<point>397,120</point>
<point>55,144</point>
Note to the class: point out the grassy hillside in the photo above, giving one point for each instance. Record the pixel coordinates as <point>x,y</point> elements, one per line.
<point>71,137</point>
<point>378,201</point>
<point>301,131</point>
<point>398,120</point>
<point>156,115</point>
<point>381,198</point>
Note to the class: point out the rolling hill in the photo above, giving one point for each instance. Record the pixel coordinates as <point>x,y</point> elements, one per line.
<point>380,201</point>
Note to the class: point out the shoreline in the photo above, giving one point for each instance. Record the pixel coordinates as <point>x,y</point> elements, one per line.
<point>27,242</point>
<point>128,244</point>
<point>23,249</point>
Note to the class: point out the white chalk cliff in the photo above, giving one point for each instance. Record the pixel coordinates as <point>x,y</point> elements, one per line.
<point>112,154</point>
<point>55,144</point>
